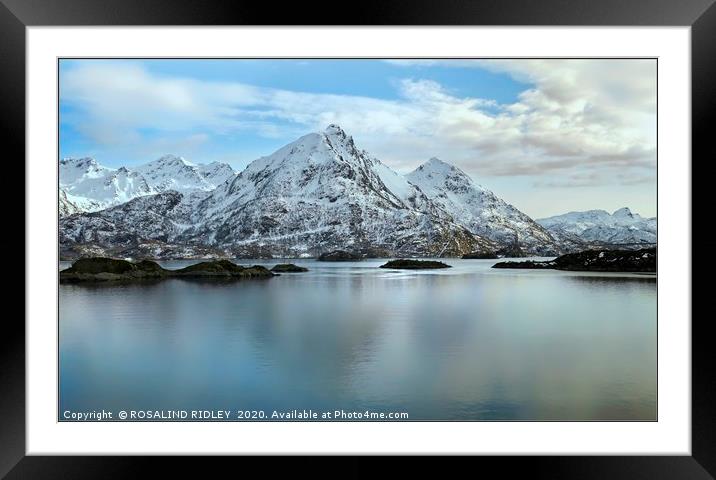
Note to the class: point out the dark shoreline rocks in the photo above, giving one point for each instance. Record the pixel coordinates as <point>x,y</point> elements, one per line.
<point>406,264</point>
<point>513,251</point>
<point>528,265</point>
<point>339,256</point>
<point>643,261</point>
<point>480,256</point>
<point>221,268</point>
<point>288,268</point>
<point>102,269</point>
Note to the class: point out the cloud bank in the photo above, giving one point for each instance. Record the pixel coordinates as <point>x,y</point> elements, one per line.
<point>581,122</point>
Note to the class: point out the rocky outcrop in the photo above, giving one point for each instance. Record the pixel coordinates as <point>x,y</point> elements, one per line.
<point>511,251</point>
<point>407,264</point>
<point>107,269</point>
<point>221,268</point>
<point>288,268</point>
<point>478,256</point>
<point>643,260</point>
<point>528,264</point>
<point>102,269</point>
<point>339,256</point>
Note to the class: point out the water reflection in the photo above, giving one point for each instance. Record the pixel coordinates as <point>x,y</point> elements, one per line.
<point>470,343</point>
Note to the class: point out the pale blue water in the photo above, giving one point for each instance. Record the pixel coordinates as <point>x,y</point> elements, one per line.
<point>466,343</point>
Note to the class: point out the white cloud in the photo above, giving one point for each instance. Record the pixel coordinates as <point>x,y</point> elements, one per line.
<point>581,121</point>
<point>578,113</point>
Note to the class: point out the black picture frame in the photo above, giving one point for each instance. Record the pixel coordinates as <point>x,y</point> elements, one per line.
<point>16,15</point>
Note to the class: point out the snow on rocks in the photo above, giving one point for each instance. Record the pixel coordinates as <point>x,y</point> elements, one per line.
<point>598,226</point>
<point>480,210</point>
<point>91,187</point>
<point>317,194</point>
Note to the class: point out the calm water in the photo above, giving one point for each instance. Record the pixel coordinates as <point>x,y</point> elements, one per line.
<point>466,343</point>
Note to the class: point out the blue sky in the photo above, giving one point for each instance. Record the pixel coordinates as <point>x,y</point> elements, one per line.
<point>532,131</point>
<point>368,78</point>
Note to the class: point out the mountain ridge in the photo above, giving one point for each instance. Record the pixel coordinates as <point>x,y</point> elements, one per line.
<point>91,187</point>
<point>315,194</point>
<point>483,212</point>
<point>599,226</point>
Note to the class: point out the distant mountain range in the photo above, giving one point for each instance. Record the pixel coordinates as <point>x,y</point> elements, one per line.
<point>316,194</point>
<point>90,186</point>
<point>598,226</point>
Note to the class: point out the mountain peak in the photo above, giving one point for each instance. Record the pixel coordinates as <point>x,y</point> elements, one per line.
<point>599,226</point>
<point>439,167</point>
<point>336,137</point>
<point>435,162</point>
<point>79,162</point>
<point>335,129</point>
<point>477,208</point>
<point>173,159</point>
<point>623,212</point>
<point>317,193</point>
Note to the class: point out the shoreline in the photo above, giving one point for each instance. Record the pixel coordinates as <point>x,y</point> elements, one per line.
<point>161,271</point>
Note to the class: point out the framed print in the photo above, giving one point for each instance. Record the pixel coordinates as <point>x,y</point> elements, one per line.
<point>461,229</point>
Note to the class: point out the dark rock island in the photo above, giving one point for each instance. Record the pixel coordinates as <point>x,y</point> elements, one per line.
<point>511,251</point>
<point>339,256</point>
<point>221,268</point>
<point>288,268</point>
<point>405,264</point>
<point>101,269</point>
<point>642,260</point>
<point>480,255</point>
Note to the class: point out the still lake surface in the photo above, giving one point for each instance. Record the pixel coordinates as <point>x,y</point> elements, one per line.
<point>465,343</point>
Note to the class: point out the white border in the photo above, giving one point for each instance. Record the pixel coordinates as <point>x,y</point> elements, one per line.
<point>670,435</point>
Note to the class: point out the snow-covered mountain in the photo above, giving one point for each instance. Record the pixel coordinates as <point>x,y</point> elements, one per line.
<point>216,173</point>
<point>321,193</point>
<point>150,226</point>
<point>316,194</point>
<point>175,173</point>
<point>92,187</point>
<point>67,207</point>
<point>600,227</point>
<point>480,210</point>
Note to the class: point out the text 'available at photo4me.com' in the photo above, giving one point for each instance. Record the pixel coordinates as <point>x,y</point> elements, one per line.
<point>231,415</point>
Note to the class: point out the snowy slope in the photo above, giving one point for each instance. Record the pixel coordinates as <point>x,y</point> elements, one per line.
<point>92,187</point>
<point>316,194</point>
<point>151,217</point>
<point>216,173</point>
<point>67,207</point>
<point>480,210</point>
<point>145,227</point>
<point>598,226</point>
<point>319,193</point>
<point>174,173</point>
